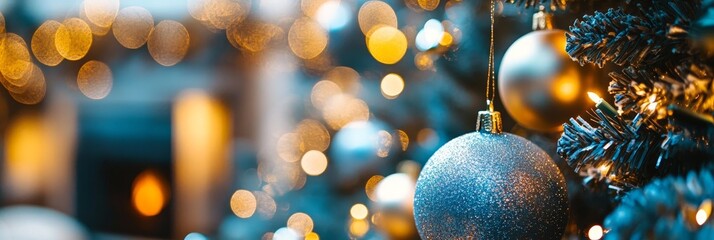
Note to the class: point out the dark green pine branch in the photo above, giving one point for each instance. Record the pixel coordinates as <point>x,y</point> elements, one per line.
<point>652,35</point>
<point>688,84</point>
<point>627,149</point>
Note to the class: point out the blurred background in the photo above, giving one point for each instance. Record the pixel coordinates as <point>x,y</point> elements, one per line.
<point>238,119</point>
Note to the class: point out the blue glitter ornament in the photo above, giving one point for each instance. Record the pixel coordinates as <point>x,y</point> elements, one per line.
<point>490,185</point>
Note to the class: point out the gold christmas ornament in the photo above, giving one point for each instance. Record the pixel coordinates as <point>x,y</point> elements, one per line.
<point>541,87</point>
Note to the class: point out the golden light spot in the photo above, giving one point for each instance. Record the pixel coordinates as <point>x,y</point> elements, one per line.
<point>289,147</point>
<point>313,135</point>
<point>73,39</point>
<point>371,186</point>
<point>149,194</point>
<point>252,36</point>
<point>219,14</point>
<point>567,87</point>
<point>43,43</point>
<point>15,60</point>
<point>101,12</point>
<point>312,236</point>
<point>595,232</point>
<point>343,109</point>
<point>403,139</point>
<point>387,44</point>
<point>243,203</point>
<point>392,85</point>
<point>32,91</point>
<point>225,12</point>
<point>428,5</point>
<point>322,92</point>
<point>375,13</point>
<point>446,39</point>
<point>23,164</point>
<point>314,163</point>
<point>359,211</point>
<point>310,7</point>
<point>307,38</point>
<point>705,210</point>
<point>168,42</point>
<point>198,9</point>
<point>424,61</point>
<point>345,77</point>
<point>301,223</point>
<point>358,228</point>
<point>133,26</point>
<point>384,143</point>
<point>95,79</point>
<point>266,205</point>
<point>427,138</point>
<point>96,29</point>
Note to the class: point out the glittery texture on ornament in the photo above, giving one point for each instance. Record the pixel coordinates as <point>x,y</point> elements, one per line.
<point>490,186</point>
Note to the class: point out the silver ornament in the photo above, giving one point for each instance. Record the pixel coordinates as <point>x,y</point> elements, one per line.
<point>490,185</point>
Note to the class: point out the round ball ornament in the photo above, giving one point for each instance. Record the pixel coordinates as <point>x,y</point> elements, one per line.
<point>490,185</point>
<point>540,86</point>
<point>393,206</point>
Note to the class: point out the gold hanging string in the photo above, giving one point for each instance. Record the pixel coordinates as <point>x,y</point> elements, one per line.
<point>491,72</point>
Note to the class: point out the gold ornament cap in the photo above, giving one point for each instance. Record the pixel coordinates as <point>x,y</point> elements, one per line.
<point>489,122</point>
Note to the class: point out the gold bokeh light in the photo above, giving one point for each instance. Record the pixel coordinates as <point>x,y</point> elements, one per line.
<point>133,26</point>
<point>313,135</point>
<point>313,163</point>
<point>346,78</point>
<point>149,194</point>
<point>33,87</point>
<point>101,12</point>
<point>371,186</point>
<point>392,85</point>
<point>15,60</point>
<point>343,109</point>
<point>301,223</point>
<point>95,79</point>
<point>359,211</point>
<point>306,38</point>
<point>168,42</point>
<point>253,36</point>
<point>322,92</point>
<point>358,228</point>
<point>219,14</point>
<point>96,29</point>
<point>73,39</point>
<point>266,205</point>
<point>428,5</point>
<point>243,203</point>
<point>288,147</point>
<point>43,43</point>
<point>375,13</point>
<point>387,44</point>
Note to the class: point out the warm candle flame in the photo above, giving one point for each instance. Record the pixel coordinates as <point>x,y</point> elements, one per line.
<point>593,96</point>
<point>652,106</point>
<point>148,194</point>
<point>704,212</point>
<point>701,216</point>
